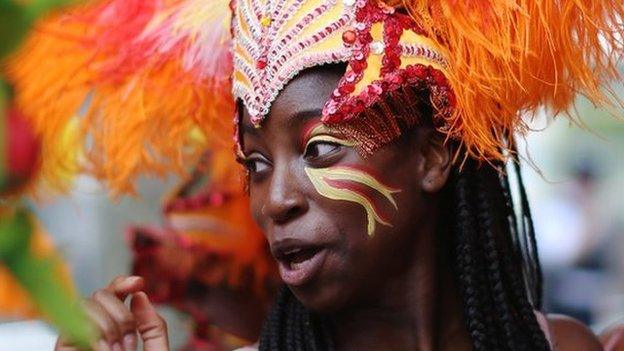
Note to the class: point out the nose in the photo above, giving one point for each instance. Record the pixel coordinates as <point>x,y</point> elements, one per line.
<point>285,201</point>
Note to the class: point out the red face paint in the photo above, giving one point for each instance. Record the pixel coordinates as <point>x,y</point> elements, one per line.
<point>350,183</point>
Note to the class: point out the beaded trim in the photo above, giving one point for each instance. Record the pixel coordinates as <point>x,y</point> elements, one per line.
<point>362,111</point>
<point>280,53</point>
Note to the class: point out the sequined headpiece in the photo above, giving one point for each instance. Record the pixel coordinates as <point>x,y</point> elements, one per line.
<point>276,40</point>
<point>159,72</point>
<point>385,49</point>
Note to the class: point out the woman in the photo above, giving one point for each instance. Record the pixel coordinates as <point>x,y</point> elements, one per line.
<point>387,205</point>
<point>443,272</point>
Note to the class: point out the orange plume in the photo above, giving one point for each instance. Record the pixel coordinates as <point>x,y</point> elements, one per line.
<point>510,58</point>
<point>117,88</point>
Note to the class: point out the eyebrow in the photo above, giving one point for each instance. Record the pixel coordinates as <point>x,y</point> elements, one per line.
<point>309,129</point>
<point>302,118</point>
<point>295,119</point>
<point>248,129</point>
<point>304,115</point>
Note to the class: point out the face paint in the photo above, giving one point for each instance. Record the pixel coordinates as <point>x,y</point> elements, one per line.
<point>349,184</point>
<point>317,131</point>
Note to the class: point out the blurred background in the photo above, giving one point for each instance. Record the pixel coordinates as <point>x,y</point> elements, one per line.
<point>575,181</point>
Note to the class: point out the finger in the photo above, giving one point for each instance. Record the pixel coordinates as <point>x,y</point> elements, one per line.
<point>123,286</point>
<point>152,328</point>
<point>63,345</point>
<point>102,346</point>
<point>130,342</point>
<point>117,310</point>
<point>106,325</point>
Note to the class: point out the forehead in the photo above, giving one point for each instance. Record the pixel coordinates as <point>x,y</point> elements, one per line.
<point>303,95</point>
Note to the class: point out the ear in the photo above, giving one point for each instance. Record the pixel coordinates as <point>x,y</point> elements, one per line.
<point>435,165</point>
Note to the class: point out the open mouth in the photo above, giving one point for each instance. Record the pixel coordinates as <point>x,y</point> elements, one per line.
<point>297,265</point>
<point>296,257</point>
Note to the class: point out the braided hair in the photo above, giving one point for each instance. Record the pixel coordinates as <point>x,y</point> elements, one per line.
<point>495,264</point>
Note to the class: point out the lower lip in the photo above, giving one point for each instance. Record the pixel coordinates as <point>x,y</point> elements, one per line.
<point>300,273</point>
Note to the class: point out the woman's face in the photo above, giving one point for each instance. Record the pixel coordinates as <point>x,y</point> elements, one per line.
<point>338,224</point>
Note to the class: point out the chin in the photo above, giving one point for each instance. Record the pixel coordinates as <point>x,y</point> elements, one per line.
<point>322,298</point>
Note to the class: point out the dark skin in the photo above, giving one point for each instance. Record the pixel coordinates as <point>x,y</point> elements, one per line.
<point>390,291</point>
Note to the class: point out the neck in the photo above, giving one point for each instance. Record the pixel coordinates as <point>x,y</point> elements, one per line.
<point>417,309</point>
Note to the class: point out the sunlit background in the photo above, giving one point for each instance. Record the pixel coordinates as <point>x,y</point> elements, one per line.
<point>575,181</point>
<point>576,191</point>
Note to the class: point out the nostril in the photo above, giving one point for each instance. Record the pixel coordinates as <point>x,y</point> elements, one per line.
<point>284,201</point>
<point>288,214</point>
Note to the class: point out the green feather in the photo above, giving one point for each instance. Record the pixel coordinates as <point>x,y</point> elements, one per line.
<point>36,276</point>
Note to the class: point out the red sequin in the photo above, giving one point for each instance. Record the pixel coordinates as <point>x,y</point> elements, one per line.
<point>344,106</point>
<point>348,37</point>
<point>346,89</point>
<point>261,63</point>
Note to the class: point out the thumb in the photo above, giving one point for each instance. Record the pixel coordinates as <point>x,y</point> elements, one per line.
<point>151,327</point>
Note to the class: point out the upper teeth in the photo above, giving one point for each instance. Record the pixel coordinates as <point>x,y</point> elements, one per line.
<point>293,251</point>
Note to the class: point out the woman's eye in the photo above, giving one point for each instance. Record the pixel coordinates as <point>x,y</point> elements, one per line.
<point>320,149</point>
<point>256,165</point>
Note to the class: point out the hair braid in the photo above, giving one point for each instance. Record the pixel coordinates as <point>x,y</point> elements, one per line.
<point>309,328</point>
<point>535,294</point>
<point>526,294</point>
<point>507,289</point>
<point>493,266</point>
<point>271,333</point>
<point>289,326</point>
<point>466,266</point>
<point>298,327</point>
<point>291,321</point>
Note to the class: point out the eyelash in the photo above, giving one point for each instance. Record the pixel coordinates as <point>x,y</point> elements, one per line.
<point>317,143</point>
<point>328,139</point>
<point>334,142</point>
<point>251,162</point>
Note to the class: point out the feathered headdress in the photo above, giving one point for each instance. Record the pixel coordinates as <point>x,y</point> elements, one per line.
<point>151,74</point>
<point>509,59</point>
<point>128,87</point>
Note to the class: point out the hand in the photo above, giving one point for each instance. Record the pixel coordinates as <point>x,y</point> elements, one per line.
<point>612,339</point>
<point>119,326</point>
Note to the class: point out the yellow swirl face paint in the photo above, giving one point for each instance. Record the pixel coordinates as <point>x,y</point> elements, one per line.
<point>319,132</point>
<point>348,183</point>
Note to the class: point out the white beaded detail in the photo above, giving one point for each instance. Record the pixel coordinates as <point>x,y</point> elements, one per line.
<point>419,50</point>
<point>272,54</point>
<point>377,47</point>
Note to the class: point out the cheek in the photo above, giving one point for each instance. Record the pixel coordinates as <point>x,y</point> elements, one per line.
<point>370,260</point>
<point>256,196</point>
<point>359,186</point>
